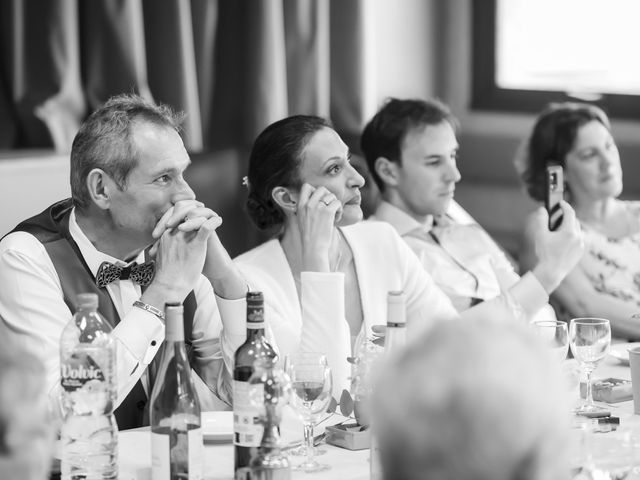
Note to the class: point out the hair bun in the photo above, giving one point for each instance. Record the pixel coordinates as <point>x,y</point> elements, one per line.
<point>265,215</point>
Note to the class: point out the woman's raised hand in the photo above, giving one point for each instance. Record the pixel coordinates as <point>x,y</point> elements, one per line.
<point>317,212</point>
<point>558,251</point>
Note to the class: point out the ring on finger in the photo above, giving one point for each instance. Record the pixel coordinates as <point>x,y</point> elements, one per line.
<point>326,202</point>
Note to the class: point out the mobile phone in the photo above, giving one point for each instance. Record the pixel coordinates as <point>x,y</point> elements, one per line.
<point>554,193</point>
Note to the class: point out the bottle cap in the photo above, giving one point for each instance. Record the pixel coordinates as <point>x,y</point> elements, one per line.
<point>396,316</point>
<point>255,299</point>
<point>87,301</point>
<point>395,296</point>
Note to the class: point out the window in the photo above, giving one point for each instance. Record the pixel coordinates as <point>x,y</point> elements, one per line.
<point>528,53</point>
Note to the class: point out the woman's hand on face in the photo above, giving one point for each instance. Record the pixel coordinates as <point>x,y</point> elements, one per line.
<point>558,251</point>
<point>317,212</point>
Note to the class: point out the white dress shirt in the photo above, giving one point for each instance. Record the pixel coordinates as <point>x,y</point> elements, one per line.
<point>466,263</point>
<point>34,314</point>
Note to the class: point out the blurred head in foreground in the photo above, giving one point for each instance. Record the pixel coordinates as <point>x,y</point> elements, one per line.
<point>26,429</point>
<point>473,401</point>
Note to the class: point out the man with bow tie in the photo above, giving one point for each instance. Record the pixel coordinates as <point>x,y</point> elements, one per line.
<point>134,234</point>
<point>411,151</point>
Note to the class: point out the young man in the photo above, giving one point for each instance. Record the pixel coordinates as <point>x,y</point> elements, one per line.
<point>128,193</point>
<point>411,150</point>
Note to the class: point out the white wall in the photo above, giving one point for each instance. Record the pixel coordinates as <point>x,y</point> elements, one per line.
<point>404,48</point>
<point>29,184</point>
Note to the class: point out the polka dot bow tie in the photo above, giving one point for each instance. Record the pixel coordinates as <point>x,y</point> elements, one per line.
<point>141,274</point>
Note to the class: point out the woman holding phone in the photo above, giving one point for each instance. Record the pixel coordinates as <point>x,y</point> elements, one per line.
<point>606,281</point>
<point>325,275</point>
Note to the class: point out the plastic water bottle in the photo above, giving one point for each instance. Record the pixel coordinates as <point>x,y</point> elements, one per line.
<point>89,432</point>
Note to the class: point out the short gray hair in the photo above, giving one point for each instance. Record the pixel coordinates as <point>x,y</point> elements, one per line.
<point>473,401</point>
<point>104,141</point>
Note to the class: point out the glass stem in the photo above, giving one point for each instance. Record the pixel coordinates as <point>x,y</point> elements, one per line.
<point>308,440</point>
<point>589,396</point>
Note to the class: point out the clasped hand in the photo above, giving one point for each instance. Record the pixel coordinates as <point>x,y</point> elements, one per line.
<point>181,244</point>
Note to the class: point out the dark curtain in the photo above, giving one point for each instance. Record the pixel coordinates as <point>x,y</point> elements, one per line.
<point>232,66</point>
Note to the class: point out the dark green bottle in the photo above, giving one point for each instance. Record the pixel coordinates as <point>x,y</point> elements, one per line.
<point>247,429</point>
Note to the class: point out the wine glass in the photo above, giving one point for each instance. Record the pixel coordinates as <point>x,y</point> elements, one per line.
<point>311,383</point>
<point>556,335</point>
<point>589,339</point>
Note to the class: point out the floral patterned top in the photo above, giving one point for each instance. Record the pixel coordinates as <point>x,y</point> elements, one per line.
<point>613,264</point>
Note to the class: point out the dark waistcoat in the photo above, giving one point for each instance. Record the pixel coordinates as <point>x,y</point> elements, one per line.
<point>51,228</point>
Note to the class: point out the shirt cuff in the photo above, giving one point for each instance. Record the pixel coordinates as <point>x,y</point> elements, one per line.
<point>141,333</point>
<point>529,293</point>
<point>233,314</point>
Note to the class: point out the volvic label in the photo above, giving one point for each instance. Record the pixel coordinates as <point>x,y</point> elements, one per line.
<point>77,370</point>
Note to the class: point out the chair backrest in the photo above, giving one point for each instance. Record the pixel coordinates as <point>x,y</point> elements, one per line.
<point>30,182</point>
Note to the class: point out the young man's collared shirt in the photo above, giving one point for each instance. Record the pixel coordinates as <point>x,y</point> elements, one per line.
<point>466,263</point>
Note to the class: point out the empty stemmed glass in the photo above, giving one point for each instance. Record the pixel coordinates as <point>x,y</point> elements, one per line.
<point>589,339</point>
<point>555,335</point>
<point>311,383</point>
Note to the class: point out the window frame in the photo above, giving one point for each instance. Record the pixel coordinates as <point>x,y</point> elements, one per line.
<point>487,95</point>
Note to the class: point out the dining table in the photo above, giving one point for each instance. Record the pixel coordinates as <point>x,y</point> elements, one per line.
<point>134,449</point>
<point>134,446</point>
<point>613,450</point>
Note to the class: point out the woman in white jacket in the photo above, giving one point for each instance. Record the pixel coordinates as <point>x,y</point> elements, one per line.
<point>326,275</point>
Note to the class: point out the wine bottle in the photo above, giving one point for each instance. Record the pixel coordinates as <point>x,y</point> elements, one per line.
<point>176,435</point>
<point>247,428</point>
<point>396,335</point>
<point>395,339</point>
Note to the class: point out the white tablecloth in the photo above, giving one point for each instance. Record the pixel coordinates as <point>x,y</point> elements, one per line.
<point>135,448</point>
<point>135,455</point>
<point>616,451</point>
